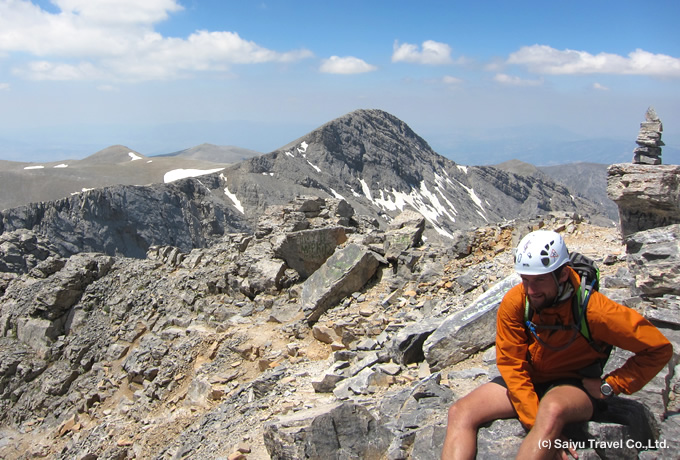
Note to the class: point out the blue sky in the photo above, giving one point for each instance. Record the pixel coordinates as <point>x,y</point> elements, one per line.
<point>162,75</point>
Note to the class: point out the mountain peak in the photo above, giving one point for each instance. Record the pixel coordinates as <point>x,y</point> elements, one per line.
<point>375,162</point>
<point>113,155</point>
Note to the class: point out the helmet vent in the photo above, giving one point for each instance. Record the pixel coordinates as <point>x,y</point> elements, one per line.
<point>545,254</point>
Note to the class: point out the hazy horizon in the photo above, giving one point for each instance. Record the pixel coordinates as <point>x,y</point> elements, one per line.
<point>164,75</point>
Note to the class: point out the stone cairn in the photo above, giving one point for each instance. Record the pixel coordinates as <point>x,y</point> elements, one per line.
<point>649,140</point>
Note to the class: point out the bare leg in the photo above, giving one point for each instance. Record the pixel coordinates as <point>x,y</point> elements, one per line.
<point>561,405</point>
<point>487,402</point>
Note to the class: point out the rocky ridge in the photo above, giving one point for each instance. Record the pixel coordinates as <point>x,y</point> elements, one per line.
<point>228,352</point>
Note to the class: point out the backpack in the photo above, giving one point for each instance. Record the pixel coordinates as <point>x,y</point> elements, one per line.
<point>590,281</point>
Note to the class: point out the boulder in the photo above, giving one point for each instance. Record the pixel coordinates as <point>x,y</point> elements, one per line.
<point>336,431</point>
<point>404,232</point>
<point>345,272</point>
<point>306,250</point>
<point>406,346</point>
<point>265,275</point>
<point>469,330</point>
<point>654,260</point>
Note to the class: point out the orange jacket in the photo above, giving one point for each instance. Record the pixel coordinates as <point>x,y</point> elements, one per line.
<point>522,360</point>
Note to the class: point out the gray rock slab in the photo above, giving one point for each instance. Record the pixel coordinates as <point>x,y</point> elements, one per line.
<point>306,250</point>
<point>345,272</point>
<point>654,260</point>
<point>343,430</point>
<point>467,331</point>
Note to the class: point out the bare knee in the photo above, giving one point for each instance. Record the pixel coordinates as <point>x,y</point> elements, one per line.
<point>550,415</point>
<point>484,404</point>
<point>463,413</point>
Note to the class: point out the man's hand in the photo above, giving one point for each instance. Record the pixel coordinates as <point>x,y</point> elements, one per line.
<point>563,454</point>
<point>592,386</point>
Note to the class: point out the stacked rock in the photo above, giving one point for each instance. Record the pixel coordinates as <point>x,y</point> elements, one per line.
<point>649,140</point>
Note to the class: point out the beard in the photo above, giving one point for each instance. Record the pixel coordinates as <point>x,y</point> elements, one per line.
<point>538,303</point>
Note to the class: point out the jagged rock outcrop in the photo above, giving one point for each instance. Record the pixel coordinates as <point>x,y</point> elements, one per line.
<point>22,250</point>
<point>127,220</point>
<point>647,196</point>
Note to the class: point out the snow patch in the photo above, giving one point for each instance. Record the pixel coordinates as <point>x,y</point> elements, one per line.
<point>35,167</point>
<point>234,199</point>
<point>290,154</point>
<point>423,200</point>
<point>366,189</point>
<point>177,174</point>
<point>473,196</point>
<point>463,168</point>
<point>83,190</point>
<point>61,166</point>
<point>314,166</point>
<point>337,195</point>
<point>134,156</point>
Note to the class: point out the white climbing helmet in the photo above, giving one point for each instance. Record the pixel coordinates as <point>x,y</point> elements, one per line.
<point>540,252</point>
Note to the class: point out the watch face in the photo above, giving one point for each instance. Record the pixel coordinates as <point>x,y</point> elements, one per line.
<point>606,389</point>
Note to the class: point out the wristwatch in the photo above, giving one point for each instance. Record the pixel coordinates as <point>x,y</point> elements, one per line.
<point>606,389</point>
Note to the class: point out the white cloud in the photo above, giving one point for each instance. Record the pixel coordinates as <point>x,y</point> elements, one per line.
<point>45,70</point>
<point>433,53</point>
<point>449,80</point>
<point>546,60</point>
<point>4,86</point>
<point>345,65</point>
<point>119,11</point>
<point>511,80</point>
<point>115,40</point>
<point>600,87</point>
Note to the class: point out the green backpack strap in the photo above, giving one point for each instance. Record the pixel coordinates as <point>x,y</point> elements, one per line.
<point>579,307</point>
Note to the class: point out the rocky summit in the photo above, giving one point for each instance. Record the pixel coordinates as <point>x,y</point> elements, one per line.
<point>214,319</point>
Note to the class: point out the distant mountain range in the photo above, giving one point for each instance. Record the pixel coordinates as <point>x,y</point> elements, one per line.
<point>23,183</point>
<point>587,180</point>
<point>369,158</point>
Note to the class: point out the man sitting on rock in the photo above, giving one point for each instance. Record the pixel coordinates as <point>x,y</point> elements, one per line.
<point>546,369</point>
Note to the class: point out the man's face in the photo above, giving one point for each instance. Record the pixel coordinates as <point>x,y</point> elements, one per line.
<point>541,290</point>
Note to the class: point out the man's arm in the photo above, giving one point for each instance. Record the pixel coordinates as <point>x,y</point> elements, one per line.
<point>511,352</point>
<point>625,328</point>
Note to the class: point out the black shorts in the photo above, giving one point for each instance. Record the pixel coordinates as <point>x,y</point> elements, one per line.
<point>599,405</point>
